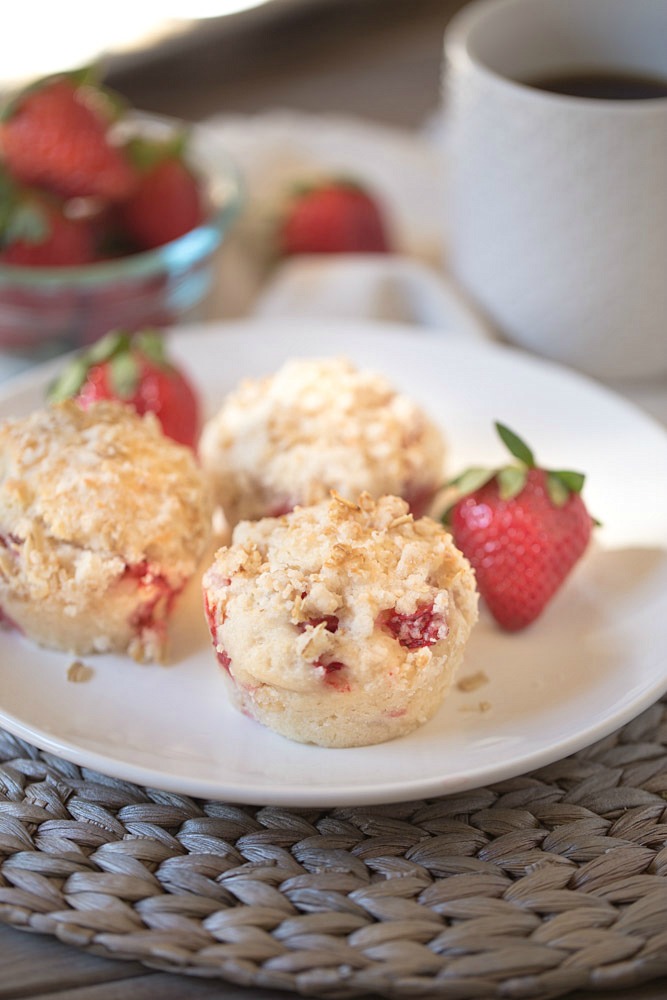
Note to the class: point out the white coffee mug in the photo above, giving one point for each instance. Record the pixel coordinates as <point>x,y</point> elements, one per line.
<point>556,206</point>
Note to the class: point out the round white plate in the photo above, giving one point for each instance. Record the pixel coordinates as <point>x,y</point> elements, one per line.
<point>594,660</point>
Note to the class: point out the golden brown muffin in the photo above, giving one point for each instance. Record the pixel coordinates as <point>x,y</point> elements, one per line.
<point>316,425</point>
<point>342,623</point>
<point>103,520</point>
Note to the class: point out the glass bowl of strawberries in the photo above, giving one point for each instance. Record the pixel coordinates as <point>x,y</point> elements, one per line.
<point>108,218</point>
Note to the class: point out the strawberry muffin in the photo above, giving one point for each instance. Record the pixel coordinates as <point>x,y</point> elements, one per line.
<point>342,623</point>
<point>313,426</point>
<point>102,522</point>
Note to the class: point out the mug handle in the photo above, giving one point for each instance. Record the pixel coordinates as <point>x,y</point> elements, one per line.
<point>370,286</point>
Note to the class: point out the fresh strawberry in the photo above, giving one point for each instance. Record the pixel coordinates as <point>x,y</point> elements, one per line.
<point>36,231</point>
<point>135,370</point>
<point>55,135</point>
<point>168,200</point>
<point>522,528</point>
<point>334,217</point>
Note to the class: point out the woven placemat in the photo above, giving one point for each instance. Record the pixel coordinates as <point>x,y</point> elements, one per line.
<point>530,888</point>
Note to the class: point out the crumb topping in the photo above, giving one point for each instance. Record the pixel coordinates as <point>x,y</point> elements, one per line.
<point>316,425</point>
<point>85,494</point>
<point>471,682</point>
<point>79,672</point>
<point>328,577</point>
<point>340,624</point>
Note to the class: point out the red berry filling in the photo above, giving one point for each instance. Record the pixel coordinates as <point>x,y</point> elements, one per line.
<point>153,612</point>
<point>138,570</point>
<point>10,541</point>
<point>280,508</point>
<point>6,622</point>
<point>210,615</point>
<point>332,677</point>
<point>224,659</point>
<point>421,628</point>
<point>330,668</point>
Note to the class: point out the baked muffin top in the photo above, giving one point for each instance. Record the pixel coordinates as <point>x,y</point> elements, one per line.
<point>102,480</point>
<point>364,584</point>
<point>320,424</point>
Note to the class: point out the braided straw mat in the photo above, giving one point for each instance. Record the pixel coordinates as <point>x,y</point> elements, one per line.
<point>530,888</point>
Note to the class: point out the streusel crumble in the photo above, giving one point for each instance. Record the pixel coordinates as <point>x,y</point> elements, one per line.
<point>316,425</point>
<point>102,522</point>
<point>341,623</point>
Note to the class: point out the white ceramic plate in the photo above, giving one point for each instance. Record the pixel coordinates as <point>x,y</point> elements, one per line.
<point>592,662</point>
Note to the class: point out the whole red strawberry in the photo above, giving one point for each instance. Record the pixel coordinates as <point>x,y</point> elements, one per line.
<point>55,135</point>
<point>35,230</point>
<point>334,217</point>
<point>168,200</point>
<point>134,369</point>
<point>523,529</point>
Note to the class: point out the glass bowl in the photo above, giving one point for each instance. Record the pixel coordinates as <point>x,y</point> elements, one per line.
<point>47,310</point>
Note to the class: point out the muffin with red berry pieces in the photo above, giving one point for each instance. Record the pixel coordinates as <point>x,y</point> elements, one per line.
<point>319,424</point>
<point>342,623</point>
<point>103,520</point>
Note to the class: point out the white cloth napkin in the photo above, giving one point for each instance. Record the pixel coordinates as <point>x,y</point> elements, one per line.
<point>350,286</point>
<point>278,150</point>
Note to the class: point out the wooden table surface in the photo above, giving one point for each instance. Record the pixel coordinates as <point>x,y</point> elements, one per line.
<point>377,58</point>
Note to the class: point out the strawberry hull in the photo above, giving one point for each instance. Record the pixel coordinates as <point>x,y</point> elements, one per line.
<point>134,369</point>
<point>523,530</point>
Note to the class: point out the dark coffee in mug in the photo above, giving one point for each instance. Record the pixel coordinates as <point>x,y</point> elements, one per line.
<point>604,85</point>
<point>555,207</point>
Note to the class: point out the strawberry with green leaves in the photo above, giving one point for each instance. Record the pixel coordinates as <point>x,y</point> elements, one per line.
<point>336,216</point>
<point>55,135</point>
<point>167,201</point>
<point>523,529</point>
<point>36,231</point>
<point>135,370</point>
